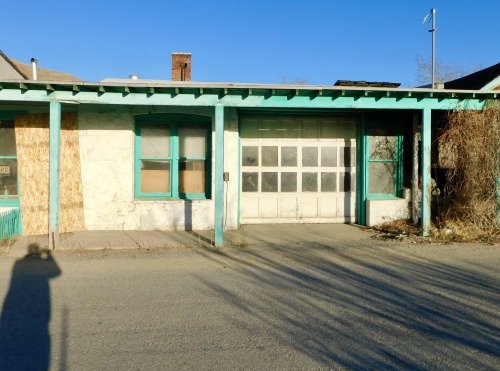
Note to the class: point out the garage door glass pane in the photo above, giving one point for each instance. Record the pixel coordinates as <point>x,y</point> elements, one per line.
<point>309,182</point>
<point>345,157</point>
<point>381,177</point>
<point>249,182</point>
<point>250,156</point>
<point>310,156</point>
<point>328,156</point>
<point>270,182</point>
<point>345,183</point>
<point>288,182</point>
<point>288,156</point>
<point>270,156</point>
<point>328,182</point>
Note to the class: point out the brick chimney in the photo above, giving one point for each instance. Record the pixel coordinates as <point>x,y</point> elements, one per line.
<point>181,66</point>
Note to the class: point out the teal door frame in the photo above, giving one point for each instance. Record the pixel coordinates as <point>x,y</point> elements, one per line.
<point>363,155</point>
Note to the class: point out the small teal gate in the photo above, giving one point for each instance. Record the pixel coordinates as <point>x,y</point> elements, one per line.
<point>9,223</point>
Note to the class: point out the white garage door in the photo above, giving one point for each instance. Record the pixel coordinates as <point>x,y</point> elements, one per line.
<point>298,169</point>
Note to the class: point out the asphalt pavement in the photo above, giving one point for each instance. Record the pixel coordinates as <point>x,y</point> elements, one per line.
<point>269,302</point>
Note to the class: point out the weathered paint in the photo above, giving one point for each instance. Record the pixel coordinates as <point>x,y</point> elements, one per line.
<point>426,171</point>
<point>219,175</point>
<point>54,172</point>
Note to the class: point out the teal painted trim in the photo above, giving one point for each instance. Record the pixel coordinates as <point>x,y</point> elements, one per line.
<point>10,223</point>
<point>173,121</point>
<point>426,171</point>
<point>398,99</point>
<point>174,164</point>
<point>219,175</point>
<point>54,172</point>
<point>238,218</point>
<point>360,172</point>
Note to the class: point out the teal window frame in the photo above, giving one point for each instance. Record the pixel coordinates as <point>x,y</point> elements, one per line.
<point>397,161</point>
<point>174,122</point>
<point>9,200</point>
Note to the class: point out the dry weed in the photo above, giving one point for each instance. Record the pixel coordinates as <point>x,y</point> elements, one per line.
<point>470,208</point>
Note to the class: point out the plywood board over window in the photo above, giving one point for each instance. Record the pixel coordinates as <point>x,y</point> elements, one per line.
<point>32,140</point>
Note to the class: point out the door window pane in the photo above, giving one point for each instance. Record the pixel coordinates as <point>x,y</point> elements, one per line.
<point>288,182</point>
<point>381,177</point>
<point>328,156</point>
<point>270,156</point>
<point>250,156</point>
<point>250,182</point>
<point>345,157</point>
<point>192,141</point>
<point>7,138</point>
<point>8,178</point>
<point>309,182</point>
<point>328,182</point>
<point>155,176</point>
<point>155,141</point>
<point>270,182</point>
<point>288,156</point>
<point>310,156</point>
<point>383,147</point>
<point>192,176</point>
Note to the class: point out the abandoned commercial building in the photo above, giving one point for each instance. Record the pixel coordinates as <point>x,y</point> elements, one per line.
<point>132,154</point>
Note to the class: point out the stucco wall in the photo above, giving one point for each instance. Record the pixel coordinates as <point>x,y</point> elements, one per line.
<point>107,160</point>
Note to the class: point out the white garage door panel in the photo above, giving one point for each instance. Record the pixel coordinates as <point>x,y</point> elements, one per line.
<point>297,169</point>
<point>268,207</point>
<point>250,207</point>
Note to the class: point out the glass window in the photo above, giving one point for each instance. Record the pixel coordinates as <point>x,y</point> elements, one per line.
<point>269,182</point>
<point>172,160</point>
<point>309,182</point>
<point>381,177</point>
<point>288,156</point>
<point>192,141</point>
<point>328,182</point>
<point>309,156</point>
<point>8,161</point>
<point>250,182</point>
<point>328,156</point>
<point>288,182</point>
<point>270,156</point>
<point>345,182</point>
<point>250,156</point>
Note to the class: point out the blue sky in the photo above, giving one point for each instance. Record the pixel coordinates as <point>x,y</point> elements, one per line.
<point>260,41</point>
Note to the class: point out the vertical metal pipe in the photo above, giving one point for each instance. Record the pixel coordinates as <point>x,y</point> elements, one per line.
<point>433,12</point>
<point>426,170</point>
<point>34,68</point>
<point>54,173</point>
<point>219,175</point>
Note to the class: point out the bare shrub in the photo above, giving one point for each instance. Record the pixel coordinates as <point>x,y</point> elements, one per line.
<point>471,195</point>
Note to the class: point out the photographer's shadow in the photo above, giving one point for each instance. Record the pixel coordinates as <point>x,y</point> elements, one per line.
<point>24,322</point>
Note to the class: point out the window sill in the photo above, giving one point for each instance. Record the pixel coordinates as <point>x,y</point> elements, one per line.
<point>167,198</point>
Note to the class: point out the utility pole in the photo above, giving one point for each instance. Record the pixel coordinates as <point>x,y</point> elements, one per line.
<point>432,14</point>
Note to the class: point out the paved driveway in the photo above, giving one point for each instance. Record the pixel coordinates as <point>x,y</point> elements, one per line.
<point>349,303</point>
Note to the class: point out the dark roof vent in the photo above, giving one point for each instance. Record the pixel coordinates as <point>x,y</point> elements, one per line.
<point>367,84</point>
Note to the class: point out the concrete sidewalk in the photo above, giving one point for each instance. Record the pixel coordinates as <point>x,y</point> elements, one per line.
<point>247,235</point>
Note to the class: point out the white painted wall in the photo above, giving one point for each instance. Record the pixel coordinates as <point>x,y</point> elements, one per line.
<point>107,161</point>
<point>384,211</point>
